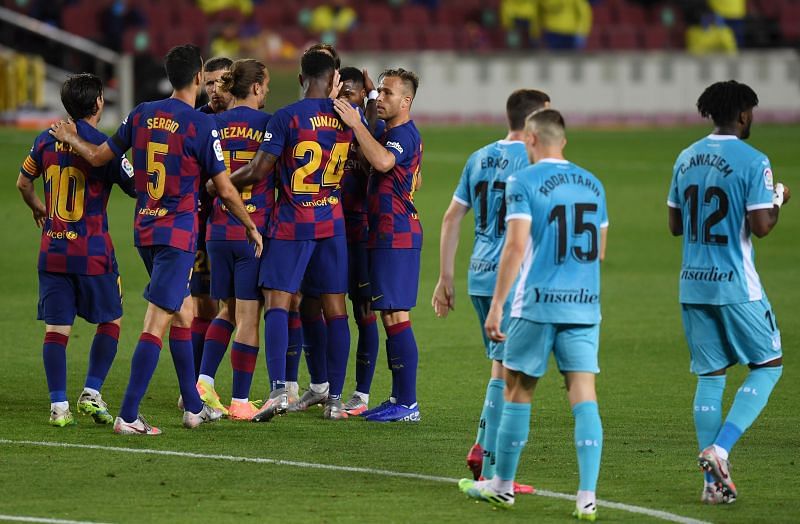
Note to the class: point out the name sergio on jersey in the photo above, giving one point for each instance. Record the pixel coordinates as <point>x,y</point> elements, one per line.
<point>707,159</point>
<point>565,296</point>
<point>712,274</point>
<point>241,132</point>
<point>325,121</point>
<point>166,124</point>
<point>568,178</point>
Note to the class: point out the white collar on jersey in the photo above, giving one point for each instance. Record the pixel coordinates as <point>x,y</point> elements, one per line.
<point>552,161</point>
<point>509,142</point>
<point>712,136</point>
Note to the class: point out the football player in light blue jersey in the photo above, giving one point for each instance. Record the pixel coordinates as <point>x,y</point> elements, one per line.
<point>482,188</point>
<point>722,191</point>
<point>556,222</point>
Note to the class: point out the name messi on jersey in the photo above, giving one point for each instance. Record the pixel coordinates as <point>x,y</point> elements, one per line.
<point>568,178</point>
<point>706,159</point>
<point>166,124</point>
<point>325,121</point>
<point>241,132</point>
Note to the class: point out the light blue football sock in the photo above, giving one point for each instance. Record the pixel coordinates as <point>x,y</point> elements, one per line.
<point>748,403</point>
<point>512,435</point>
<point>490,421</point>
<point>588,443</point>
<point>708,411</point>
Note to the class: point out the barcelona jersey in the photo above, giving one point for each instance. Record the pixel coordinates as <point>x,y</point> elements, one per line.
<point>241,132</point>
<point>393,219</point>
<point>354,192</point>
<point>75,236</point>
<point>172,145</point>
<point>312,145</point>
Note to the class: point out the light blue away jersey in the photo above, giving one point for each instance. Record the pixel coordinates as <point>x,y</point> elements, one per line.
<point>715,182</point>
<point>559,281</point>
<point>482,187</point>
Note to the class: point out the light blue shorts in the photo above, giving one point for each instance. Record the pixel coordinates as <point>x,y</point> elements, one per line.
<point>529,345</point>
<point>494,350</point>
<point>721,336</point>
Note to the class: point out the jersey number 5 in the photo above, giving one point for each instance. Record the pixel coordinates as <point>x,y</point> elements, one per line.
<point>67,187</point>
<point>332,174</point>
<point>156,171</point>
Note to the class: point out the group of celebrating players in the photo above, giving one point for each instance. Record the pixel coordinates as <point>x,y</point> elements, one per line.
<point>329,182</point>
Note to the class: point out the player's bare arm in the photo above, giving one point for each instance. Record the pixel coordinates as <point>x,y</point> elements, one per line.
<point>377,155</point>
<point>517,233</point>
<point>762,221</point>
<point>66,131</point>
<point>675,221</point>
<point>28,192</point>
<point>444,295</point>
<point>233,201</point>
<point>603,240</point>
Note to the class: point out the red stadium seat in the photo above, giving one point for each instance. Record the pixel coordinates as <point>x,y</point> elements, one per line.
<point>294,35</point>
<point>602,16</point>
<point>631,15</point>
<point>402,38</point>
<point>366,38</point>
<point>453,15</point>
<point>415,15</point>
<point>790,23</point>
<point>596,40</point>
<point>655,37</point>
<point>623,38</point>
<point>82,19</point>
<point>378,15</point>
<point>439,38</point>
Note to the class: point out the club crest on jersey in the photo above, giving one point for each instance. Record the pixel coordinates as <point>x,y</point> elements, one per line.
<point>325,121</point>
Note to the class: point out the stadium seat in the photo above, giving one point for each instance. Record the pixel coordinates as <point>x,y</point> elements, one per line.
<point>602,16</point>
<point>294,35</point>
<point>656,37</point>
<point>453,15</point>
<point>402,38</point>
<point>624,38</point>
<point>439,38</point>
<point>631,15</point>
<point>378,16</point>
<point>365,38</point>
<point>82,19</point>
<point>415,15</point>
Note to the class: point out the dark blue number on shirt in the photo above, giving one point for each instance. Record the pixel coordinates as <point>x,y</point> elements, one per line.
<point>482,193</point>
<point>558,215</point>
<point>712,193</point>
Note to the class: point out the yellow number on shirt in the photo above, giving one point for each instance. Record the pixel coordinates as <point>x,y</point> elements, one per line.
<point>156,171</point>
<point>333,169</point>
<point>236,159</point>
<point>67,188</point>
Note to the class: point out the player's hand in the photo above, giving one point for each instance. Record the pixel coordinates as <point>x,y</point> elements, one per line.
<point>786,193</point>
<point>369,85</point>
<point>336,86</point>
<point>39,214</point>
<point>254,237</point>
<point>349,114</point>
<point>211,189</point>
<point>492,324</point>
<point>64,130</point>
<point>444,298</point>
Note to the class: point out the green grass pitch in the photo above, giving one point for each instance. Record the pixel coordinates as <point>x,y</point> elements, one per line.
<point>645,387</point>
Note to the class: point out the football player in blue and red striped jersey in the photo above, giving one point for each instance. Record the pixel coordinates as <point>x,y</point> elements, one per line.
<point>395,233</point>
<point>77,267</point>
<point>234,275</point>
<point>172,144</point>
<point>307,145</point>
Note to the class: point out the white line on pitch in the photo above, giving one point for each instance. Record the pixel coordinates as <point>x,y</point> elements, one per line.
<point>19,518</point>
<point>663,515</point>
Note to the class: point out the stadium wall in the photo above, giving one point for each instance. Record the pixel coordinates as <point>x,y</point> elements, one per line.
<point>592,89</point>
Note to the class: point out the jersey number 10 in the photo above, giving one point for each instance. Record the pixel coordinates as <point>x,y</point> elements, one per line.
<point>67,188</point>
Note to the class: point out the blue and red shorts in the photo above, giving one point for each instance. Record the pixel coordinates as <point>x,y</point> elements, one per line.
<point>94,298</point>
<point>358,271</point>
<point>394,278</point>
<point>170,269</point>
<point>319,265</point>
<point>201,274</point>
<point>234,270</point>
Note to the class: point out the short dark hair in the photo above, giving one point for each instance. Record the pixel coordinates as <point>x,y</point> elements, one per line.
<point>408,77</point>
<point>724,101</point>
<point>217,63</point>
<point>522,103</point>
<point>326,48</point>
<point>182,63</point>
<point>79,95</point>
<point>351,73</point>
<point>316,64</point>
<point>549,123</point>
<point>242,75</point>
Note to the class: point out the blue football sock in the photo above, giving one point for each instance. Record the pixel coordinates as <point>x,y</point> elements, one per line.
<point>490,421</point>
<point>588,443</point>
<point>180,348</point>
<point>199,328</point>
<point>243,362</point>
<point>54,354</point>
<point>390,356</point>
<point>295,348</point>
<point>512,435</point>
<point>143,365</point>
<point>405,361</point>
<point>748,403</point>
<point>218,336</point>
<point>315,343</point>
<point>367,352</point>
<point>708,411</point>
<point>276,335</point>
<point>101,355</point>
<point>338,351</point>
